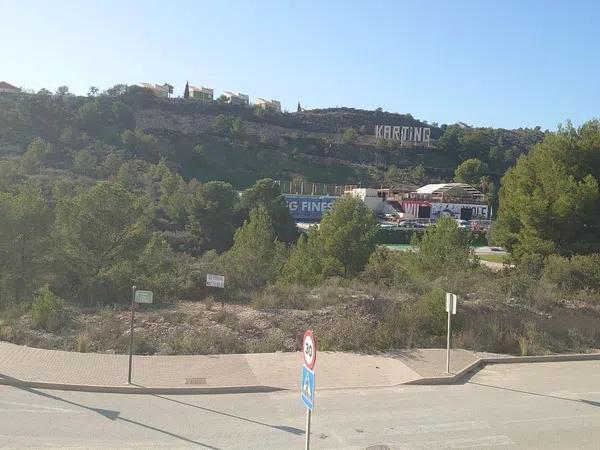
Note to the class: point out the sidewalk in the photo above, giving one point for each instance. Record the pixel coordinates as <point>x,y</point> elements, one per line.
<point>240,372</point>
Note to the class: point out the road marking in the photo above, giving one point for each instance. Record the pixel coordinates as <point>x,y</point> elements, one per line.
<point>38,407</point>
<point>484,441</point>
<point>438,428</point>
<point>542,419</point>
<point>10,410</point>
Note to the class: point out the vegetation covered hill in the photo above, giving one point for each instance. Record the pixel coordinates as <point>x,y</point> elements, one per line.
<point>102,192</point>
<point>241,145</point>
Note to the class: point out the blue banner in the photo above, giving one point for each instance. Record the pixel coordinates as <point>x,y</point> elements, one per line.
<point>308,207</point>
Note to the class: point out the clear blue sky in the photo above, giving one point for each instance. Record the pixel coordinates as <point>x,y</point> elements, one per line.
<point>503,64</point>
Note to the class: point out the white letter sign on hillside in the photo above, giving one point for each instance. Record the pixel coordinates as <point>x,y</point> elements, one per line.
<point>217,281</point>
<point>405,135</point>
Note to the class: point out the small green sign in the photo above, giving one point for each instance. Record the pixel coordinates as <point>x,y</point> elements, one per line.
<point>144,296</point>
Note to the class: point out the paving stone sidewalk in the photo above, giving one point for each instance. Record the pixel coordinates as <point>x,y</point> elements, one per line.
<point>277,370</point>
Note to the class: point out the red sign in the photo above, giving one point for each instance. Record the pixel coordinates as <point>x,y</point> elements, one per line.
<point>309,349</point>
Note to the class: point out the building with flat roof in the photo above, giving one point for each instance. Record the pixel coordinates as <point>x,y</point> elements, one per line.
<point>272,105</point>
<point>158,90</point>
<point>201,93</point>
<point>7,88</point>
<point>235,98</point>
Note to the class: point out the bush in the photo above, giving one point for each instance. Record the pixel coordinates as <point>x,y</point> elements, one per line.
<point>575,273</point>
<point>397,329</point>
<point>432,315</point>
<point>350,332</point>
<point>349,136</point>
<point>227,318</point>
<point>204,342</point>
<point>48,311</point>
<point>282,295</point>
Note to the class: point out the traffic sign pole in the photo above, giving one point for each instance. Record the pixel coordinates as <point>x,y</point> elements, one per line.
<point>451,300</point>
<point>307,440</point>
<point>131,334</point>
<point>309,353</point>
<point>448,344</point>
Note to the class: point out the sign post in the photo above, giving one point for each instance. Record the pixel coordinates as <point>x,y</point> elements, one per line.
<point>136,297</point>
<point>307,382</point>
<point>451,300</point>
<point>131,334</point>
<point>217,281</point>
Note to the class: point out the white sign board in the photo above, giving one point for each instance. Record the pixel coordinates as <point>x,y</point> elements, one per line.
<point>217,281</point>
<point>451,300</point>
<point>144,296</point>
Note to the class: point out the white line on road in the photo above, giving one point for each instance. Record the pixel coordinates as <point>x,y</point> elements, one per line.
<point>438,428</point>
<point>544,419</point>
<point>484,441</point>
<point>38,407</point>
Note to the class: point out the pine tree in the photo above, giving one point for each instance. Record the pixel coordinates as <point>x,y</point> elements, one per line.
<point>186,92</point>
<point>299,109</point>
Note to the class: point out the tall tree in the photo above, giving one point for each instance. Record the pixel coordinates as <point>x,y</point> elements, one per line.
<point>25,220</point>
<point>102,232</point>
<point>550,200</point>
<point>471,171</point>
<point>212,212</point>
<point>340,246</point>
<point>256,256</point>
<point>186,91</point>
<point>267,193</point>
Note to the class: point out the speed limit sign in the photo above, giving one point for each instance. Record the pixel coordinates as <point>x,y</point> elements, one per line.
<point>309,349</point>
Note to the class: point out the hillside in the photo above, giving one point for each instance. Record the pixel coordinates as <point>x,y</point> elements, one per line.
<point>72,244</point>
<point>240,144</point>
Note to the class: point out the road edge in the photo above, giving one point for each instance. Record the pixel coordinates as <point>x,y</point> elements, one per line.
<point>461,376</point>
<point>474,367</point>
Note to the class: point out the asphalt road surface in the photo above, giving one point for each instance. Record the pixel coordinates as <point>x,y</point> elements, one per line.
<point>543,405</point>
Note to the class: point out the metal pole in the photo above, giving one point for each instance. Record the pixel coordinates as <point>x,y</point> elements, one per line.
<point>307,440</point>
<point>448,343</point>
<point>131,333</point>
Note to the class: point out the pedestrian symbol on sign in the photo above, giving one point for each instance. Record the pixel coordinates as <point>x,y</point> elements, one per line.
<point>307,387</point>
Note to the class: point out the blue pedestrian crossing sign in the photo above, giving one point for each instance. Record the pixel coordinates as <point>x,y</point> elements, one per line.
<point>307,387</point>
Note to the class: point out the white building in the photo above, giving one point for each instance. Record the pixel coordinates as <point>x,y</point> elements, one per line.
<point>201,93</point>
<point>273,105</point>
<point>158,90</point>
<point>235,98</point>
<point>458,200</point>
<point>7,88</point>
<point>377,201</point>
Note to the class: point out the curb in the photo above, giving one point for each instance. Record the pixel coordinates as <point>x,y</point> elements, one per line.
<point>460,377</point>
<point>468,371</point>
<point>134,389</point>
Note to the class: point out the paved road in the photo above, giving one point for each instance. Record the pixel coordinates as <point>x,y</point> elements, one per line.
<point>544,405</point>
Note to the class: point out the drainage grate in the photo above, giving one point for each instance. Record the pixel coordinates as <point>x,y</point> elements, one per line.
<point>195,381</point>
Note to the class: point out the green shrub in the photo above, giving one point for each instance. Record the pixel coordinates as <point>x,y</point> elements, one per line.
<point>48,311</point>
<point>275,341</point>
<point>204,342</point>
<point>227,318</point>
<point>575,273</point>
<point>397,329</point>
<point>282,295</point>
<point>209,303</point>
<point>349,332</point>
<point>432,315</point>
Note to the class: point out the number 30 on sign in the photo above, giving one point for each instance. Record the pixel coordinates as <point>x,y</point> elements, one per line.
<point>309,349</point>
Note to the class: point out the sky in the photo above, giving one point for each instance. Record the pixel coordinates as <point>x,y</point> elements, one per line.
<point>504,64</point>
